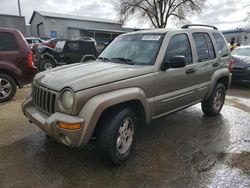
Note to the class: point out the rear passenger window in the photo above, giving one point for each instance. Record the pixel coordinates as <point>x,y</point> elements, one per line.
<point>7,42</point>
<point>221,44</point>
<point>179,45</point>
<point>73,46</point>
<point>204,46</point>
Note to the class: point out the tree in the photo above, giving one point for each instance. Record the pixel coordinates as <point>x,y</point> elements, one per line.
<point>247,18</point>
<point>158,11</point>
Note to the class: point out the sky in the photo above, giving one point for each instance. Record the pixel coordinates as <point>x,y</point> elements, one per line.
<point>225,14</point>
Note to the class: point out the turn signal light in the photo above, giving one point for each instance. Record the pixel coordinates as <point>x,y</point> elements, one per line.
<point>69,126</point>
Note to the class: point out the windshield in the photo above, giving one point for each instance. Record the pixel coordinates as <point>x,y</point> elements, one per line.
<point>241,52</point>
<point>60,45</point>
<point>140,49</point>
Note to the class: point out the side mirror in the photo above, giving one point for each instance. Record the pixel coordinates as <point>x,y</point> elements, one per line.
<point>176,62</point>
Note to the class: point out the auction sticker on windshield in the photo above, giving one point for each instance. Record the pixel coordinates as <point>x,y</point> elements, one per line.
<point>151,37</point>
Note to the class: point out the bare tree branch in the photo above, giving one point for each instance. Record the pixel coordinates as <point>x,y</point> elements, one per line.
<point>158,12</point>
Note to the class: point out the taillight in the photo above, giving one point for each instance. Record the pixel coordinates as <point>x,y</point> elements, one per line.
<point>231,63</point>
<point>30,59</point>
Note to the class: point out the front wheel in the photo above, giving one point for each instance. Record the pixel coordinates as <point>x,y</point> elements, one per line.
<point>213,105</point>
<point>46,64</point>
<point>116,137</point>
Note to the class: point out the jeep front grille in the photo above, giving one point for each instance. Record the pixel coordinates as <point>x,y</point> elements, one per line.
<point>43,99</point>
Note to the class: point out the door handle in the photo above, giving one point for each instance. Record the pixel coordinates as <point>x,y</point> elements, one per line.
<point>216,64</point>
<point>190,71</point>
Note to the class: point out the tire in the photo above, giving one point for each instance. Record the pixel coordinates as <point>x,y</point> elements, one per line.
<point>213,105</point>
<point>118,126</point>
<point>46,64</point>
<point>7,88</point>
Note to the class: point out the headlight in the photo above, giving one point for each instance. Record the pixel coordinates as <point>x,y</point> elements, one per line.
<point>67,99</point>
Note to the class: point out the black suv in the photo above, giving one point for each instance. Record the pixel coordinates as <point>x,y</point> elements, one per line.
<point>65,52</point>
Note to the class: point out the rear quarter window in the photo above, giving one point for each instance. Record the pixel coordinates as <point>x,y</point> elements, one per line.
<point>221,44</point>
<point>7,42</point>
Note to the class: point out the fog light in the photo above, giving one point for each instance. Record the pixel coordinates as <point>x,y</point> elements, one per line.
<point>65,139</point>
<point>68,126</point>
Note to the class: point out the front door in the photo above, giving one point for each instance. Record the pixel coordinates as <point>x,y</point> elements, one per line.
<point>174,88</point>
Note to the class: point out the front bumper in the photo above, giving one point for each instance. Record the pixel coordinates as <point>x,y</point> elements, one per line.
<point>49,124</point>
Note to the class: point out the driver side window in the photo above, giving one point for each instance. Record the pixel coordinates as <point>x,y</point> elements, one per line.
<point>179,46</point>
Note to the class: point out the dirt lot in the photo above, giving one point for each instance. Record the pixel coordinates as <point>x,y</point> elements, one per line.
<point>185,149</point>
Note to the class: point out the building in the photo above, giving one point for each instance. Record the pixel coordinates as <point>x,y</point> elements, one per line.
<point>47,24</point>
<point>241,36</point>
<point>12,21</point>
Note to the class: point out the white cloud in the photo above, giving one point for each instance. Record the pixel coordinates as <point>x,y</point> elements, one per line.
<point>225,14</point>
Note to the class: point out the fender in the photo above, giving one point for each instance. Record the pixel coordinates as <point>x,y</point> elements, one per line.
<point>13,71</point>
<point>216,76</point>
<point>95,106</point>
<point>50,56</point>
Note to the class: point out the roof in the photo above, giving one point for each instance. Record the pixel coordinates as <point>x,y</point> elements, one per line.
<point>72,17</point>
<point>165,30</point>
<point>99,30</point>
<point>6,29</point>
<point>146,31</point>
<point>8,15</point>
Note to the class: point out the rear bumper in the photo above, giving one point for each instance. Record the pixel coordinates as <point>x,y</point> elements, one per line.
<point>27,76</point>
<point>49,124</point>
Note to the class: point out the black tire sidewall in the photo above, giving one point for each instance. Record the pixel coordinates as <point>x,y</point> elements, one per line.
<point>208,105</point>
<point>13,85</point>
<point>106,143</point>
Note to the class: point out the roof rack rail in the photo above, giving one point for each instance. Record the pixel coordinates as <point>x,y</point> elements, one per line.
<point>191,25</point>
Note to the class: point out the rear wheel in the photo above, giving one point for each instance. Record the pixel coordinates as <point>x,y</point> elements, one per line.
<point>46,64</point>
<point>7,87</point>
<point>116,137</point>
<point>214,104</point>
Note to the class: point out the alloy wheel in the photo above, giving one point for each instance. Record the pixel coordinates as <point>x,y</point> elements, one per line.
<point>5,88</point>
<point>125,136</point>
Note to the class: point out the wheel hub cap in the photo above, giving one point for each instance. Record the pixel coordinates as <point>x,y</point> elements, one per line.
<point>218,100</point>
<point>125,136</point>
<point>47,66</point>
<point>5,88</point>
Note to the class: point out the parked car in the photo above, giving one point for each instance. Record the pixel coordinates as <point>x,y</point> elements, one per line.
<point>139,77</point>
<point>33,40</point>
<point>16,63</point>
<point>65,52</point>
<point>241,68</point>
<point>50,43</point>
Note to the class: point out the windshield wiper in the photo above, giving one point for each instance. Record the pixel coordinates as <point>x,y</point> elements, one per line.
<point>124,60</point>
<point>103,58</point>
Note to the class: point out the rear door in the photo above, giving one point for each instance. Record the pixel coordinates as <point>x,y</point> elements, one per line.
<point>205,61</point>
<point>72,52</point>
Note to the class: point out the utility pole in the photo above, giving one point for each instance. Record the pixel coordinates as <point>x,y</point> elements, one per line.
<point>19,8</point>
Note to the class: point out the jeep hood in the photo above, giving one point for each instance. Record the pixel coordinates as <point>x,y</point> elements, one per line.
<point>86,75</point>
